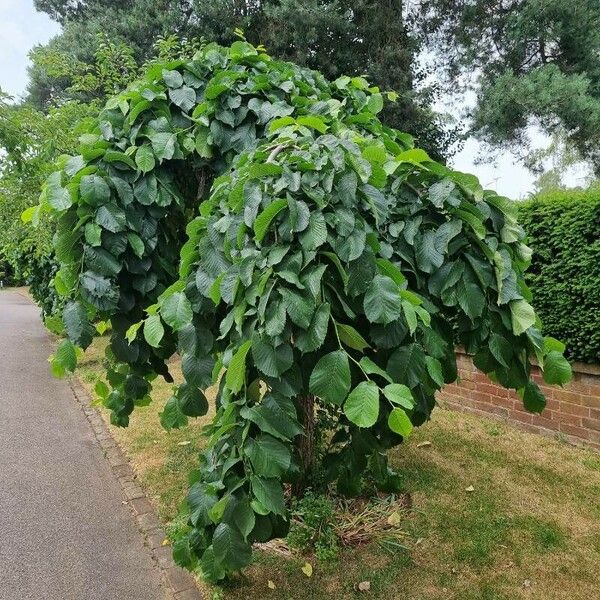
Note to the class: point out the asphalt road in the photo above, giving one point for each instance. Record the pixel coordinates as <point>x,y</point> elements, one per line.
<point>64,532</point>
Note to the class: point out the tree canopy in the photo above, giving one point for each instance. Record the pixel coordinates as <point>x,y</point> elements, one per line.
<point>533,60</point>
<point>297,253</point>
<point>353,37</point>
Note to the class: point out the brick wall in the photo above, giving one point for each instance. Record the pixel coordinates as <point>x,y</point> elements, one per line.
<point>572,411</point>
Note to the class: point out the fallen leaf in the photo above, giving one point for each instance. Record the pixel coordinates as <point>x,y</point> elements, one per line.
<point>424,444</point>
<point>527,583</point>
<point>165,542</point>
<point>364,586</point>
<point>394,519</point>
<point>184,443</point>
<point>307,569</point>
<point>470,489</point>
<point>271,584</point>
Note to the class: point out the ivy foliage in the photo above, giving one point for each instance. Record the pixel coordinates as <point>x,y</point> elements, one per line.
<point>264,224</point>
<point>562,228</point>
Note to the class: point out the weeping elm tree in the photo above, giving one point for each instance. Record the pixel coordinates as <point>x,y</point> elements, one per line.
<point>296,253</point>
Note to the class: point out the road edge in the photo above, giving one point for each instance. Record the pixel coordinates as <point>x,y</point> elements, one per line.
<point>177,581</point>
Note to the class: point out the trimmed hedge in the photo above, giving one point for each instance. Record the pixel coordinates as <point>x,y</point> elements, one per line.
<point>563,230</point>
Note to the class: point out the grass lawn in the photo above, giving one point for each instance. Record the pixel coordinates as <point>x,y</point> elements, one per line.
<point>529,529</point>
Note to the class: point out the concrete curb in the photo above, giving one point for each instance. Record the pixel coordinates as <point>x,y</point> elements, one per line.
<point>179,584</point>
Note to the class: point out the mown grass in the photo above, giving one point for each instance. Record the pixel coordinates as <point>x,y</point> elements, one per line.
<point>529,529</point>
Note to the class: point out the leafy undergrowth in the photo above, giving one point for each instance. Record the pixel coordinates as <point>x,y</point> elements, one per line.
<point>529,526</point>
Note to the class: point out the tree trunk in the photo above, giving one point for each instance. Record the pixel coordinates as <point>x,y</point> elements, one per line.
<point>305,443</point>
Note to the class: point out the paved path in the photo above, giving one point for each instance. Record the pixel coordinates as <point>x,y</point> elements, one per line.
<point>64,532</point>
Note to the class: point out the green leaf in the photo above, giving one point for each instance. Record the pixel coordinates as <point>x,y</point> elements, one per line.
<point>471,299</point>
<point>77,324</point>
<point>163,144</point>
<point>388,268</point>
<point>523,316</point>
<point>93,234</point>
<point>144,158</point>
<point>102,262</point>
<point>556,369</point>
<point>229,547</point>
<point>269,457</point>
<point>269,493</point>
<point>58,197</point>
<point>153,330</point>
<point>362,405</point>
<point>192,401</point>
<point>315,234</point>
<point>269,359</point>
<point>236,371</point>
<point>399,422</point>
<point>173,79</point>
<point>136,243</point>
<point>533,399</point>
<point>271,418</point>
<point>184,97</point>
<point>313,338</point>
<point>371,368</point>
<point>375,103</point>
<point>172,417</point>
<point>66,356</point>
<point>94,190</point>
<point>399,394</point>
<point>200,500</point>
<point>350,337</point>
<point>112,218</point>
<point>434,368</point>
<point>176,311</point>
<point>382,302</point>
<point>313,122</point>
<point>415,155</point>
<point>263,221</point>
<point>330,378</point>
<point>501,349</point>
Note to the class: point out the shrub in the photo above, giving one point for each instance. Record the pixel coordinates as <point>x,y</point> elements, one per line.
<point>563,230</point>
<point>262,222</point>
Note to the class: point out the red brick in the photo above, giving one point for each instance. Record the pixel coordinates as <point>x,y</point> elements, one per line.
<point>566,396</point>
<point>574,409</point>
<point>591,401</point>
<point>595,413</point>
<point>593,424</point>
<point>520,416</point>
<point>579,432</point>
<point>570,419</point>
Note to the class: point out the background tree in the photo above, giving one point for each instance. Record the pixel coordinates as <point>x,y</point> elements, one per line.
<point>533,61</point>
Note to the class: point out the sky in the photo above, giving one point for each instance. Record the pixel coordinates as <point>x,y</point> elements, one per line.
<point>21,28</point>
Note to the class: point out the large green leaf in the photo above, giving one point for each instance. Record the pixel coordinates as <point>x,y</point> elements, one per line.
<point>77,325</point>
<point>399,394</point>
<point>94,190</point>
<point>236,371</point>
<point>382,301</point>
<point>533,399</point>
<point>269,492</point>
<point>362,405</point>
<point>330,378</point>
<point>523,316</point>
<point>153,330</point>
<point>557,369</point>
<point>313,338</point>
<point>269,457</point>
<point>176,311</point>
<point>399,422</point>
<point>263,221</point>
<point>229,547</point>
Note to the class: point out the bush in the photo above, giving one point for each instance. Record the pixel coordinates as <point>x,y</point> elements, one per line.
<point>563,230</point>
<point>263,222</point>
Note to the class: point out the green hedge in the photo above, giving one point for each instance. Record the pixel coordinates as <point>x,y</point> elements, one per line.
<point>563,230</point>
